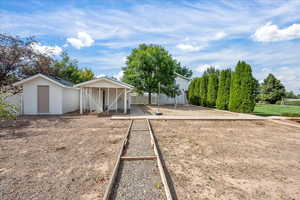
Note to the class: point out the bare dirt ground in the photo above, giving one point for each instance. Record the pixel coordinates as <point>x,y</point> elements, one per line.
<point>231,159</point>
<point>68,157</point>
<point>185,110</point>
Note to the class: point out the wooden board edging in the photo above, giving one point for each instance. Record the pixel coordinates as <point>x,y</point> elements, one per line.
<point>116,168</point>
<point>160,166</point>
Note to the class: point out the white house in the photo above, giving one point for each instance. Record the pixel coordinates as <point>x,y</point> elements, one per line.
<point>180,80</point>
<point>50,95</point>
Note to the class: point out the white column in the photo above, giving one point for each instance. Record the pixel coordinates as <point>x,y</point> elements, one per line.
<point>108,99</point>
<point>99,96</point>
<point>125,101</point>
<point>81,100</point>
<point>116,99</point>
<point>90,105</point>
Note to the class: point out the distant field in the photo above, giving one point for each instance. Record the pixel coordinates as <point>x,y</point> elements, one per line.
<point>276,110</point>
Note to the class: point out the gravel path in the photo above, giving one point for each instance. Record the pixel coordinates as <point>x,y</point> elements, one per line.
<point>138,180</point>
<point>139,125</point>
<point>139,144</point>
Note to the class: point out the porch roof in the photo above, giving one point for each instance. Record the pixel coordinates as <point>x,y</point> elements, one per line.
<point>93,83</point>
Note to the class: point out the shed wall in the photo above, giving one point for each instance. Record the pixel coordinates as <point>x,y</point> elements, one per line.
<point>70,100</point>
<point>30,97</point>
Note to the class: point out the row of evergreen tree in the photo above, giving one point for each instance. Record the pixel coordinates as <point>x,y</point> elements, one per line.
<point>225,89</point>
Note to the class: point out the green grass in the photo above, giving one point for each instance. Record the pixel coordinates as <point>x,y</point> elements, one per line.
<point>276,110</point>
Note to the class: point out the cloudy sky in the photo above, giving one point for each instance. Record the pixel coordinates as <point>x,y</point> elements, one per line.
<point>101,33</point>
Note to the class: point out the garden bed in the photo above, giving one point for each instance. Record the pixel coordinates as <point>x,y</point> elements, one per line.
<point>231,159</point>
<point>69,157</point>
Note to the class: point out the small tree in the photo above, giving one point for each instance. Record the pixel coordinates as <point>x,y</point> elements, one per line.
<point>224,89</point>
<point>212,89</point>
<point>271,90</point>
<point>242,93</point>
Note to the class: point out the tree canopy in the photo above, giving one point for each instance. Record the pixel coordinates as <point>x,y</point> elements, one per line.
<point>18,60</point>
<point>149,65</point>
<point>271,90</point>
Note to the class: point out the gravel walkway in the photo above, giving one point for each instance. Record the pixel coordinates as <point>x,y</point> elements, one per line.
<point>139,144</point>
<point>138,180</point>
<point>139,125</point>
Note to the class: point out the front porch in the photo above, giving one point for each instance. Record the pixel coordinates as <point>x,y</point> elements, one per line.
<point>104,95</point>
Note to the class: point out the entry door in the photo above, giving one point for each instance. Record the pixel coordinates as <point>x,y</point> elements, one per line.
<point>43,99</point>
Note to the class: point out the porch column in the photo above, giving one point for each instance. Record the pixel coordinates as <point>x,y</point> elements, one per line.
<point>108,99</point>
<point>116,99</point>
<point>125,101</point>
<point>81,100</point>
<point>99,96</point>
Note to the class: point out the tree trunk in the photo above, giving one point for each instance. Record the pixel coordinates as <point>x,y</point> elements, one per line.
<point>149,98</point>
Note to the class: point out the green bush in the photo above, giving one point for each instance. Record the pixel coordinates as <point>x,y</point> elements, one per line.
<point>7,111</point>
<point>290,114</point>
<point>292,103</point>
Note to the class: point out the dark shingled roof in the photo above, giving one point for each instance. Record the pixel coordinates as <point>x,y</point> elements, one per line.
<point>61,81</point>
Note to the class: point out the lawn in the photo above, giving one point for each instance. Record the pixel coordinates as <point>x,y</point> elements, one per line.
<point>276,110</point>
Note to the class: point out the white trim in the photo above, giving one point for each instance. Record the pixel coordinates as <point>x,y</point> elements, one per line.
<point>103,78</point>
<point>21,82</point>
<point>181,76</point>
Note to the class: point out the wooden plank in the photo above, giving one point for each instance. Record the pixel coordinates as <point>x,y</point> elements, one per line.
<point>160,166</point>
<point>139,158</point>
<point>116,168</point>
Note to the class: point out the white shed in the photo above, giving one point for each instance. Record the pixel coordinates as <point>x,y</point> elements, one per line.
<point>48,95</point>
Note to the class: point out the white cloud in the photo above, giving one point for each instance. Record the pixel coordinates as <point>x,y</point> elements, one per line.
<point>119,75</point>
<point>271,33</point>
<point>202,68</point>
<point>47,50</point>
<point>83,40</point>
<point>188,47</point>
<point>99,75</point>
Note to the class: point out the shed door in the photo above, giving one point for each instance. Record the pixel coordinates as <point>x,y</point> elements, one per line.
<point>43,99</point>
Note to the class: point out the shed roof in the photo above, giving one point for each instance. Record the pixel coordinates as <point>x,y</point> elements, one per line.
<point>56,80</point>
<point>113,80</point>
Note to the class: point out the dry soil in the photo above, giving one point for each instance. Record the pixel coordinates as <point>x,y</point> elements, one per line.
<point>66,157</point>
<point>231,159</point>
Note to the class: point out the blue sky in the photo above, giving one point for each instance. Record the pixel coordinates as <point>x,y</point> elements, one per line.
<point>100,34</point>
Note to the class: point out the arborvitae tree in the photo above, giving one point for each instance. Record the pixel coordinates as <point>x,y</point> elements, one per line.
<point>242,93</point>
<point>212,89</point>
<point>224,89</point>
<point>191,95</point>
<point>203,90</point>
<point>198,85</point>
<point>197,91</point>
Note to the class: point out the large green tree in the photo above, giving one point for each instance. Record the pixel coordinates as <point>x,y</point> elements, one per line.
<point>271,90</point>
<point>224,89</point>
<point>147,66</point>
<point>212,89</point>
<point>67,69</point>
<point>183,70</point>
<point>242,92</point>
